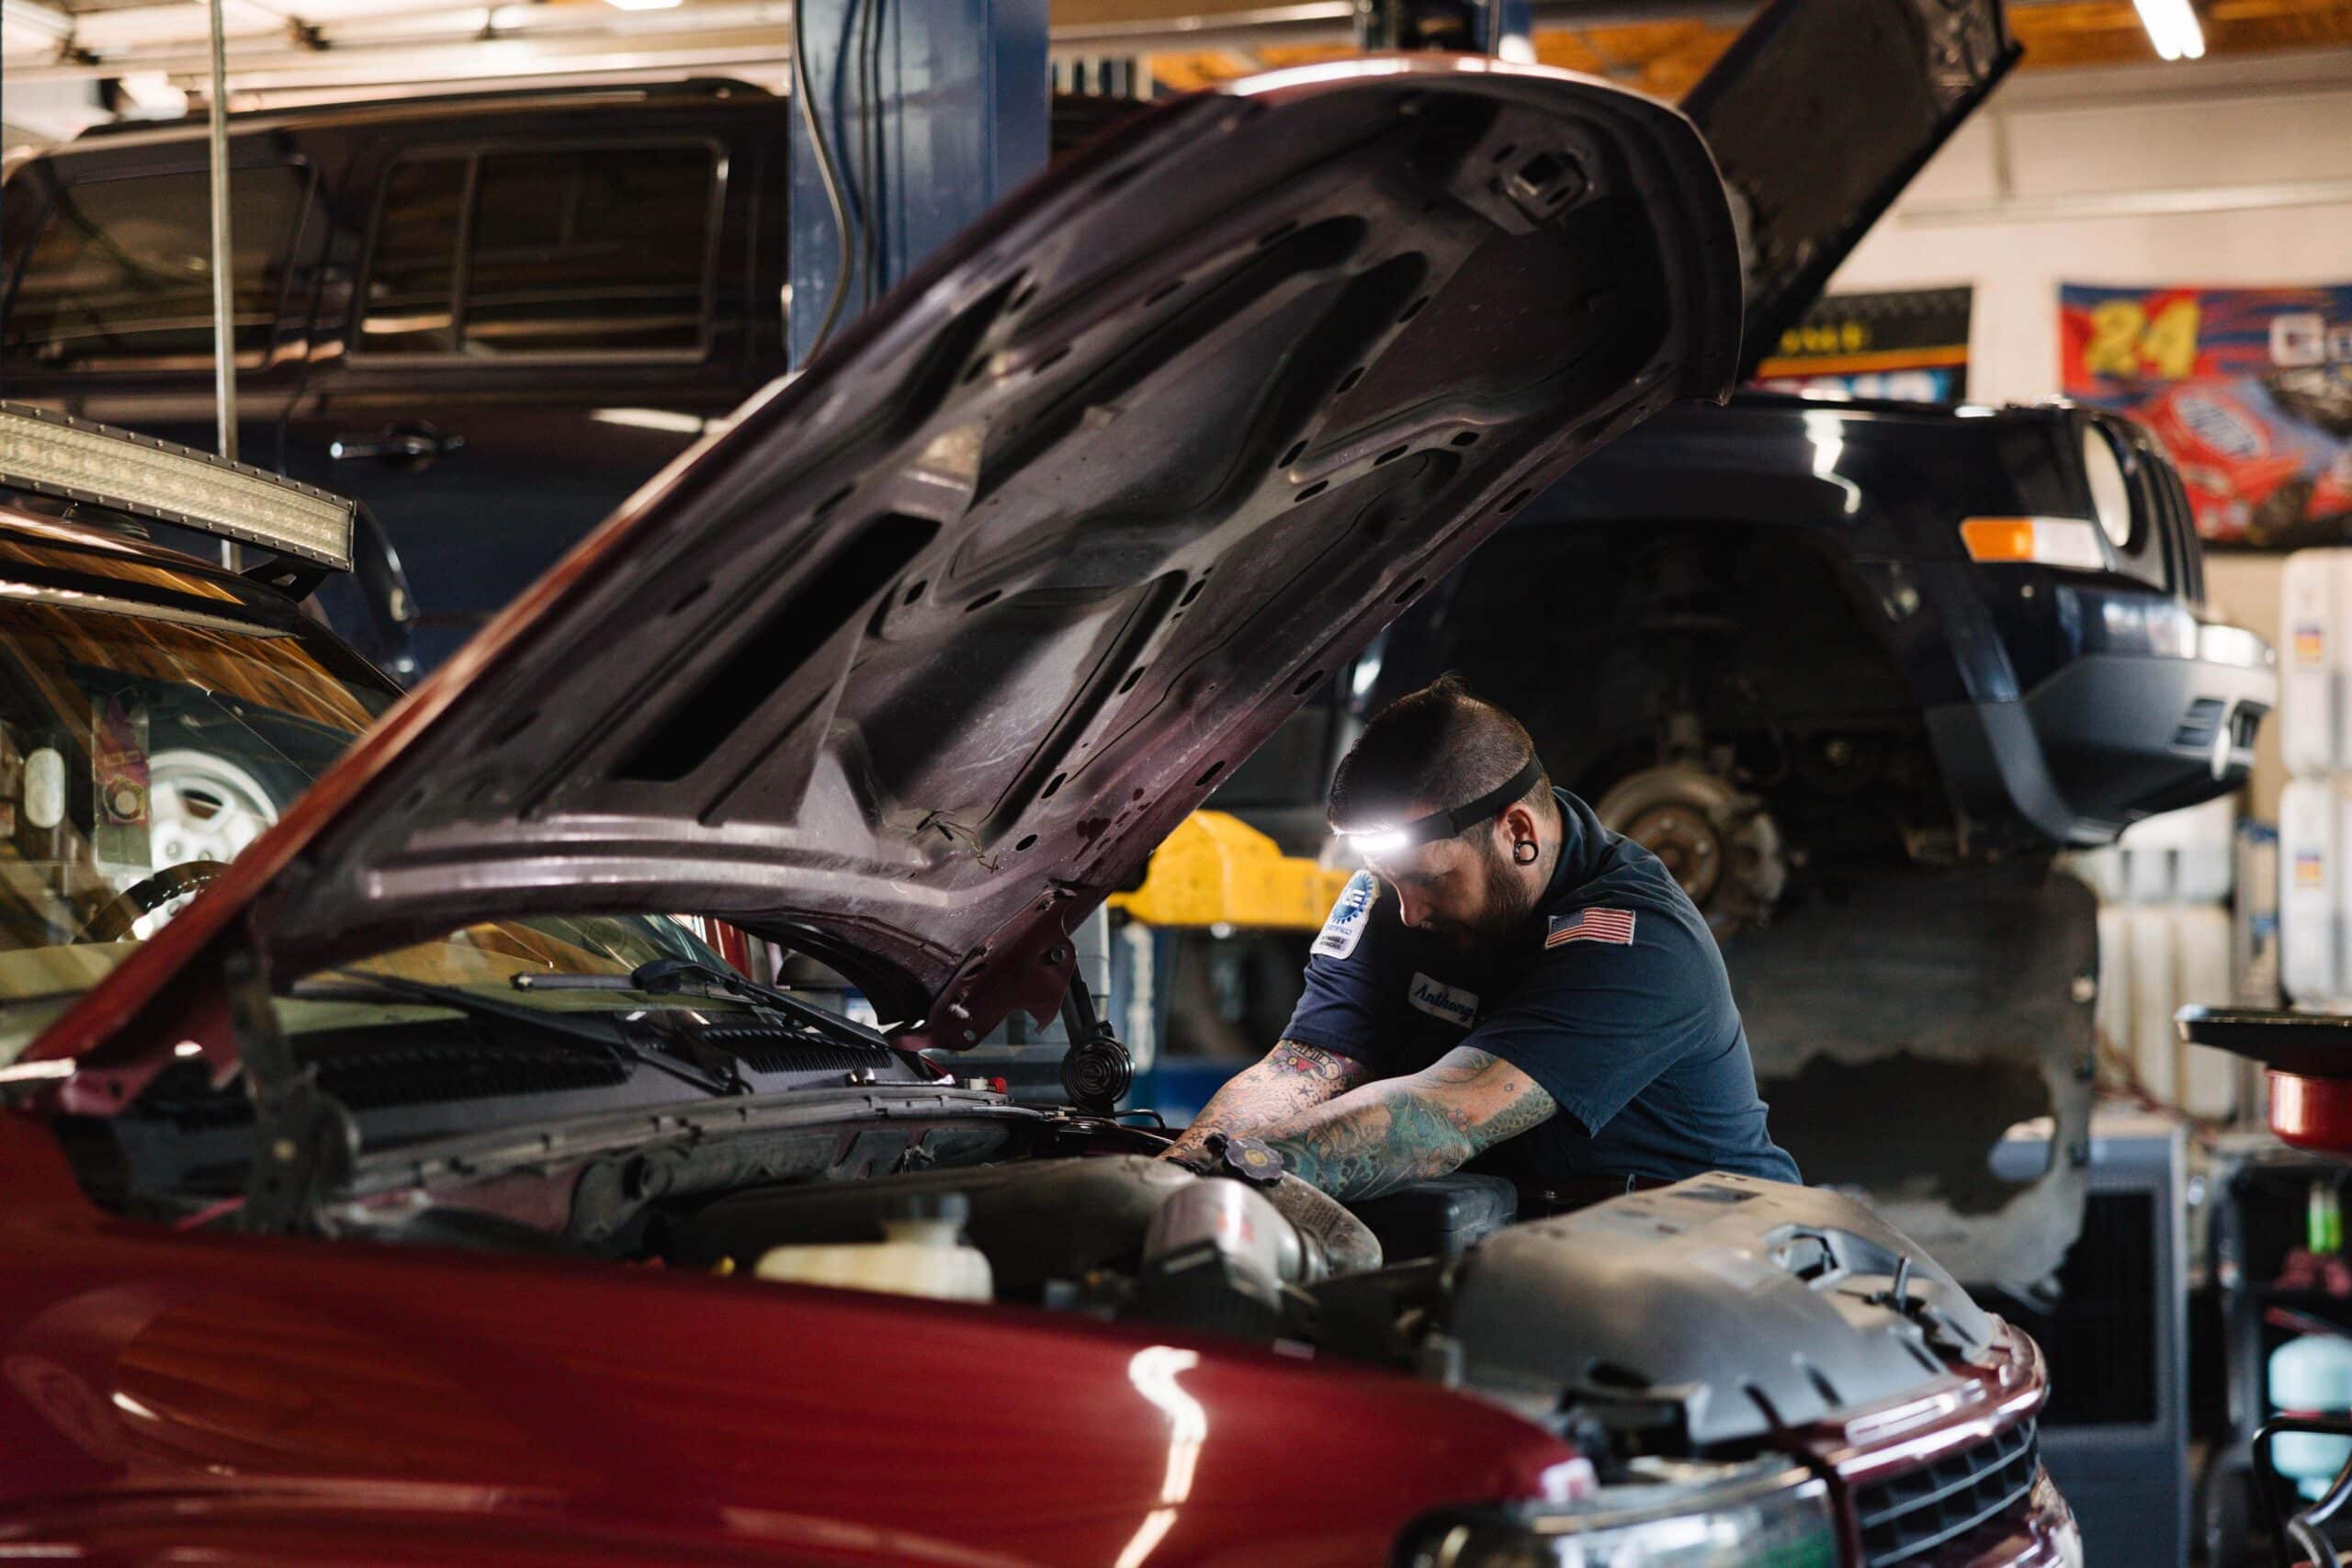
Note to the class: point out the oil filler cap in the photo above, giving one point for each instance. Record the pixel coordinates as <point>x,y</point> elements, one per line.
<point>1249,1160</point>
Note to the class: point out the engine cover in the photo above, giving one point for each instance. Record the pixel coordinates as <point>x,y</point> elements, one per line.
<point>1736,1303</point>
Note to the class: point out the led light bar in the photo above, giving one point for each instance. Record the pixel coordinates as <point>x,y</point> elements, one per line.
<point>123,471</point>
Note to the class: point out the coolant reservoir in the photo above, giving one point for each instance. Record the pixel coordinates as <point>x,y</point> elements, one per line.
<point>921,1254</point>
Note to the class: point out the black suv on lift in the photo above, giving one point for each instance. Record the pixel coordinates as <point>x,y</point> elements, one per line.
<point>519,306</point>
<point>514,307</point>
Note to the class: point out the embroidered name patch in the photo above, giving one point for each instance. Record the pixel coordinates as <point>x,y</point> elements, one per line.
<point>1344,927</point>
<point>1612,926</point>
<point>1451,1003</point>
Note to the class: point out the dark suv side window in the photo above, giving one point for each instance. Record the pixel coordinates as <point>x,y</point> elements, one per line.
<point>413,285</point>
<point>602,251</point>
<point>119,271</point>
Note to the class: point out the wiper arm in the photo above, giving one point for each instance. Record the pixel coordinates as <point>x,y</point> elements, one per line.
<point>611,1034</point>
<point>669,974</point>
<point>688,977</point>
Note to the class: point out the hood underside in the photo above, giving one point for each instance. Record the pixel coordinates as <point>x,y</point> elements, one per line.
<point>1821,112</point>
<point>913,663</point>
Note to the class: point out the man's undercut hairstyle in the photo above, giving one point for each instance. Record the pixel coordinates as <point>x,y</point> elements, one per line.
<point>1431,750</point>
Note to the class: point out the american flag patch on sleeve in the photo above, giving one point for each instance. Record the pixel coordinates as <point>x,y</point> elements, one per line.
<point>1615,926</point>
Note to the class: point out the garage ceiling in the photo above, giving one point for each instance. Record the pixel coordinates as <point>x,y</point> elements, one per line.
<point>1665,54</point>
<point>281,50</point>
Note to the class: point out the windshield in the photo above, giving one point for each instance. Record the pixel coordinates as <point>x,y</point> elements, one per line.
<point>130,746</point>
<point>141,752</point>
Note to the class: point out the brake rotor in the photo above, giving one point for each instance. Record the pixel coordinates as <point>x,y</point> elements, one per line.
<point>1719,843</point>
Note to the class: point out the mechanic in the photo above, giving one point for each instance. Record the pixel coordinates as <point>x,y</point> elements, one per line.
<point>1537,982</point>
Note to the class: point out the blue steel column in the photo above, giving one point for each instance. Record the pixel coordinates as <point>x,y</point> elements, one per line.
<point>1514,38</point>
<point>960,119</point>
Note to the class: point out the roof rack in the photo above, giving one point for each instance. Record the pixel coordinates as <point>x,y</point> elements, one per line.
<point>119,470</point>
<point>691,87</point>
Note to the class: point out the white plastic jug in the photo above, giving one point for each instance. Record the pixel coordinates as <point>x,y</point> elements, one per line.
<point>922,1252</point>
<point>2311,1375</point>
<point>2315,666</point>
<point>2310,883</point>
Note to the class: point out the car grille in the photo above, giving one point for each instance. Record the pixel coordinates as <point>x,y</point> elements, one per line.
<point>1905,1518</point>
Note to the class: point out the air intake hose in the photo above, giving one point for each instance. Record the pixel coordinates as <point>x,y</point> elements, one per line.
<point>1338,1242</point>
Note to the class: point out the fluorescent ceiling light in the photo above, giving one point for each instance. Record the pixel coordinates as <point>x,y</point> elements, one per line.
<point>641,4</point>
<point>2172,27</point>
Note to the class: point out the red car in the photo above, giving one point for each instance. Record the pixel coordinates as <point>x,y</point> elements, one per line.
<point>408,1194</point>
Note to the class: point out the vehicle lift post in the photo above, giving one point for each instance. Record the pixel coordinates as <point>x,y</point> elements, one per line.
<point>930,109</point>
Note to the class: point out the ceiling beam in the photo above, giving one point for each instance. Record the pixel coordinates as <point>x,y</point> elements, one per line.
<point>1660,46</point>
<point>35,21</point>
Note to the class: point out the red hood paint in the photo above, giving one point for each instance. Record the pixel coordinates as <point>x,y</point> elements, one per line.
<point>289,1401</point>
<point>910,666</point>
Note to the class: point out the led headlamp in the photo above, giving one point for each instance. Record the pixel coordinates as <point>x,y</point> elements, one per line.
<point>1387,840</point>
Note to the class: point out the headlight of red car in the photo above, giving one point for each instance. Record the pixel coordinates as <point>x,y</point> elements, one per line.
<point>1673,1515</point>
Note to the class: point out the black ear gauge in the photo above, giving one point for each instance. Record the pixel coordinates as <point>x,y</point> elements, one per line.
<point>1524,851</point>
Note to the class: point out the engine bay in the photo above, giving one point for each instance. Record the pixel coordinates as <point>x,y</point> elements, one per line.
<point>1633,1324</point>
<point>1696,1322</point>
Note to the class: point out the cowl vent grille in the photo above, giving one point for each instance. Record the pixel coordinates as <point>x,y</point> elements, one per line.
<point>766,1049</point>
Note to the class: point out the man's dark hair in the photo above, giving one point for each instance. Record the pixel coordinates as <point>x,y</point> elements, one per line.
<point>1430,750</point>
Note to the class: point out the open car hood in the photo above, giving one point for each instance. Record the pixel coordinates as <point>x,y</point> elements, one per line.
<point>914,663</point>
<point>1821,112</point>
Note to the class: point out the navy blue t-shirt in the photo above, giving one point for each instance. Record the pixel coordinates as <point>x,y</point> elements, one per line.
<point>1612,995</point>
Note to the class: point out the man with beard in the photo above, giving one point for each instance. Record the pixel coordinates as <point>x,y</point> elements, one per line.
<point>1508,972</point>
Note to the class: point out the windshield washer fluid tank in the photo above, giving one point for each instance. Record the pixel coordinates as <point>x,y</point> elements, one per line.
<point>923,1253</point>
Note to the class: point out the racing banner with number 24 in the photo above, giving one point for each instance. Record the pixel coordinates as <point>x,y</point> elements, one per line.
<point>2250,390</point>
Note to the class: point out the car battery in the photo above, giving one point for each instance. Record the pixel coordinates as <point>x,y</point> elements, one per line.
<point>1440,1217</point>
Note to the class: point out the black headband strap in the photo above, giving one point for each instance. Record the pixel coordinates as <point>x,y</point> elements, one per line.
<point>1446,823</point>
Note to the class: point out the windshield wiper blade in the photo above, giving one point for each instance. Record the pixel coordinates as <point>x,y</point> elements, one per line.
<point>689,976</point>
<point>666,974</point>
<point>610,1033</point>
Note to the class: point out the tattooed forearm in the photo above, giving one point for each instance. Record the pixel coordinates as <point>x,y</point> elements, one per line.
<point>1379,1138</point>
<point>1385,1134</point>
<point>1292,1078</point>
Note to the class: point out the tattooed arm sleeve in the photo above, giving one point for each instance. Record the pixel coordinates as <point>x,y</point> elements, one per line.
<point>1376,1138</point>
<point>1291,1078</point>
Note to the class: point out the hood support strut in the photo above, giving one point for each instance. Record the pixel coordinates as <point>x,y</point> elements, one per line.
<point>305,1143</point>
